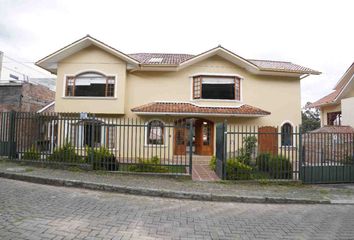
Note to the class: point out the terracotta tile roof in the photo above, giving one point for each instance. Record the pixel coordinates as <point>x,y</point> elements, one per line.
<point>341,84</point>
<point>175,59</point>
<point>328,99</point>
<point>166,58</point>
<point>189,108</point>
<point>334,129</point>
<point>281,66</point>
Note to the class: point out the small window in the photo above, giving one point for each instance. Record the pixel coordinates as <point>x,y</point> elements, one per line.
<point>155,132</point>
<point>287,135</point>
<point>90,85</point>
<point>214,87</point>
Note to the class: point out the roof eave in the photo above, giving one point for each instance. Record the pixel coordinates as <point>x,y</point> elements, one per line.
<point>200,114</point>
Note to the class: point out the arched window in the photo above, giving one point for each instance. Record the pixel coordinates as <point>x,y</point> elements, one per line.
<point>286,135</point>
<point>90,84</point>
<point>155,132</point>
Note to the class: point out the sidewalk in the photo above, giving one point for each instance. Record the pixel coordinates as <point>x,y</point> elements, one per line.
<point>163,186</point>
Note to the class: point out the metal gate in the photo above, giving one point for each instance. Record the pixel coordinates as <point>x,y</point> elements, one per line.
<point>327,157</point>
<point>221,150</point>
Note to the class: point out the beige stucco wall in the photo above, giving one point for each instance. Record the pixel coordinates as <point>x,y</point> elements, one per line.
<point>348,111</point>
<point>279,95</point>
<point>91,59</point>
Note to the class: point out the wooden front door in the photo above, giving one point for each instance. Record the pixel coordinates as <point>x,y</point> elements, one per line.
<point>180,138</point>
<point>204,137</point>
<point>268,140</point>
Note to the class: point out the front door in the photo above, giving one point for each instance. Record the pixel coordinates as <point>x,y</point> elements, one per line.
<point>180,138</point>
<point>204,137</point>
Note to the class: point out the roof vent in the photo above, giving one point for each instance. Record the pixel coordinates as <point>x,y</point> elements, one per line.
<point>155,60</point>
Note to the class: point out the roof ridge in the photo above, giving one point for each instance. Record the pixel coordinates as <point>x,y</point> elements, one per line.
<point>252,59</point>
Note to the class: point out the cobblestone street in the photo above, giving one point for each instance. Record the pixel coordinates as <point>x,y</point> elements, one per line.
<point>33,211</point>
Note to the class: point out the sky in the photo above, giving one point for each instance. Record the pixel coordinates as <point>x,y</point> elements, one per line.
<point>315,34</point>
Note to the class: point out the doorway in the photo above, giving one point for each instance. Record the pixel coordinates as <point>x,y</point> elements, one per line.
<point>202,136</point>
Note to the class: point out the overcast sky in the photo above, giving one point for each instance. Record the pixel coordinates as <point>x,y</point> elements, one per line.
<point>316,34</point>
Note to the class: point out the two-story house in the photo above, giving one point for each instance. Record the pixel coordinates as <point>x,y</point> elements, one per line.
<point>210,87</point>
<point>337,108</point>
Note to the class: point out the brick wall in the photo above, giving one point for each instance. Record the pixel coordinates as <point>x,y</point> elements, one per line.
<point>25,97</point>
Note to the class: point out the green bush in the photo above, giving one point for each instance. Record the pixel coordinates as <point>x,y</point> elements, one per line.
<point>66,153</point>
<point>32,154</point>
<point>236,170</point>
<point>245,153</point>
<point>102,159</point>
<point>278,167</point>
<point>212,163</point>
<point>148,165</point>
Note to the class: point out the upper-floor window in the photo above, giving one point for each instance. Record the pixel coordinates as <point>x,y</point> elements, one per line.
<point>334,118</point>
<point>90,84</point>
<point>217,87</point>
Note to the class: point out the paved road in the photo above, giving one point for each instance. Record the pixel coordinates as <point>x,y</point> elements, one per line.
<point>31,211</point>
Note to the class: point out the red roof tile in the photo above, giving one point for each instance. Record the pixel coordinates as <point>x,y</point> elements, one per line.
<point>334,129</point>
<point>175,59</point>
<point>189,108</point>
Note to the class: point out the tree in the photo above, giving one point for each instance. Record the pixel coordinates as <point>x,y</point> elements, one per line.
<point>310,118</point>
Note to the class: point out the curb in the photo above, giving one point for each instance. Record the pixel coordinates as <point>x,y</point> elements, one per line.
<point>157,192</point>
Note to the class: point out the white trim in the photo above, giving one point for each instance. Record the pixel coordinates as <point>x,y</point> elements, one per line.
<point>51,60</point>
<point>217,74</point>
<point>343,76</point>
<point>344,88</point>
<point>294,136</point>
<point>46,107</point>
<point>216,100</point>
<point>146,134</point>
<point>87,97</point>
<point>199,114</point>
<point>221,52</point>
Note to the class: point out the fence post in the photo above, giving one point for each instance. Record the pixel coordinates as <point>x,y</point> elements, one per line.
<point>190,136</point>
<point>92,142</point>
<point>11,136</point>
<point>301,169</point>
<point>224,130</point>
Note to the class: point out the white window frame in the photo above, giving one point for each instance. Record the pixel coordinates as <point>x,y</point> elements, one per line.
<point>191,78</point>
<point>146,144</point>
<point>115,76</point>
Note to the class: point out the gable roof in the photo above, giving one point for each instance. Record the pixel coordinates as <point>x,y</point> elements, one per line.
<point>340,88</point>
<point>177,59</point>
<point>152,61</point>
<point>50,62</point>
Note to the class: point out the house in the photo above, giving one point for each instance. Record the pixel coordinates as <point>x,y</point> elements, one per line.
<point>164,89</point>
<point>337,107</point>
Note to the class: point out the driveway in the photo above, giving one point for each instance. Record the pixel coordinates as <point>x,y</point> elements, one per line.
<point>33,211</point>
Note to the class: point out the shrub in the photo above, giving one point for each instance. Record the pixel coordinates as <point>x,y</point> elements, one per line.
<point>236,170</point>
<point>212,163</point>
<point>32,154</point>
<point>66,153</point>
<point>148,165</point>
<point>245,153</point>
<point>102,159</point>
<point>278,167</point>
<point>262,161</point>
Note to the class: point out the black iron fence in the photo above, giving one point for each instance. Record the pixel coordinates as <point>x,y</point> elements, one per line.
<point>100,143</point>
<point>283,153</point>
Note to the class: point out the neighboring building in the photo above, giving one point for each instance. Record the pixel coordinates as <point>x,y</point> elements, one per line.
<point>337,108</point>
<point>158,88</point>
<point>24,97</point>
<point>22,87</point>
